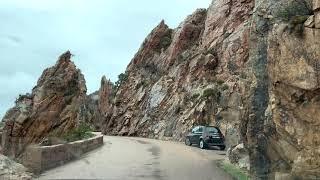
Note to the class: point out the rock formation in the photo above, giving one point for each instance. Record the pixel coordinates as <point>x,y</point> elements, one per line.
<point>12,170</point>
<point>194,74</point>
<point>282,129</point>
<point>249,67</point>
<point>106,97</point>
<point>97,106</point>
<point>52,107</point>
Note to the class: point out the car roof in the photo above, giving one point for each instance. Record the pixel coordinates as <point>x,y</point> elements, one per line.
<point>208,126</point>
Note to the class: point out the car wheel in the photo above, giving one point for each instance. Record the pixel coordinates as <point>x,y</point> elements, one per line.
<point>188,142</point>
<point>222,148</point>
<point>202,144</point>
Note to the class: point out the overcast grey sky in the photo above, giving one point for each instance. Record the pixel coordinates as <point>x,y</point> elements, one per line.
<point>103,34</point>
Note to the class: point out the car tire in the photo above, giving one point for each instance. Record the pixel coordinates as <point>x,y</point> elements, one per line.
<point>202,144</point>
<point>188,142</point>
<point>222,148</point>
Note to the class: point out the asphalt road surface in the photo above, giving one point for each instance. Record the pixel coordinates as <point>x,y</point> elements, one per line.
<point>124,158</point>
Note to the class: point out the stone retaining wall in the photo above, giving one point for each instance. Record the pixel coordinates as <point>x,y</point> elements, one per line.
<point>40,158</point>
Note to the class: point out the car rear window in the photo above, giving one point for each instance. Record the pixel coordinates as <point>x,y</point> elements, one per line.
<point>212,130</point>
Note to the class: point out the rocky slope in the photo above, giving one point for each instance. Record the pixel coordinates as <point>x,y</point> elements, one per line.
<point>194,74</point>
<point>12,170</point>
<point>52,107</point>
<point>249,67</point>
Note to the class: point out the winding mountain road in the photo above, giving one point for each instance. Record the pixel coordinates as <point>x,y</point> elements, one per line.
<point>125,158</point>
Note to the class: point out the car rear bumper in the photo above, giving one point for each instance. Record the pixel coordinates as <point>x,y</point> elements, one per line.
<point>215,144</point>
<point>211,142</point>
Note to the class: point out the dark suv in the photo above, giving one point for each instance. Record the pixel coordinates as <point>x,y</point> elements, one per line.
<point>206,136</point>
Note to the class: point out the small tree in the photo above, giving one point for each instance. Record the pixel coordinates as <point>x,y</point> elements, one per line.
<point>121,79</point>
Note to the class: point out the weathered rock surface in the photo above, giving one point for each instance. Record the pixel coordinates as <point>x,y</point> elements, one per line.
<point>282,129</point>
<point>194,74</point>
<point>295,102</point>
<point>89,111</point>
<point>106,97</point>
<point>97,106</point>
<point>52,107</point>
<point>248,67</point>
<point>251,68</point>
<point>12,170</point>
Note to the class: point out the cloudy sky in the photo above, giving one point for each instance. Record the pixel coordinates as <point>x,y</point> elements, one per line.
<point>103,34</point>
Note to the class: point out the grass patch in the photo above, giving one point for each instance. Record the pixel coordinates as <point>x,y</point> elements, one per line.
<point>83,131</point>
<point>233,170</point>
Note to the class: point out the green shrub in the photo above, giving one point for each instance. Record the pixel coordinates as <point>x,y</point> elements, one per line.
<point>83,131</point>
<point>195,96</point>
<point>224,87</point>
<point>220,82</point>
<point>143,83</point>
<point>210,92</point>
<point>121,79</point>
<point>166,40</point>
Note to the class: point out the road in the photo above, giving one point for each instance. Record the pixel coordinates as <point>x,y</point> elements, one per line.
<point>125,158</point>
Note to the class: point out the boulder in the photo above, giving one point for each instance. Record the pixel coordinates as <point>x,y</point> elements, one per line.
<point>12,170</point>
<point>239,156</point>
<point>310,22</point>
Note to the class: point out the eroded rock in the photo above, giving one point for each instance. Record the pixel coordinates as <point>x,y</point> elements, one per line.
<point>12,170</point>
<point>52,107</point>
<point>163,95</point>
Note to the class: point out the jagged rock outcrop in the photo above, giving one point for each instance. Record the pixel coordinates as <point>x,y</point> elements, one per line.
<point>249,67</point>
<point>52,107</point>
<point>89,111</point>
<point>97,106</point>
<point>194,74</point>
<point>106,97</point>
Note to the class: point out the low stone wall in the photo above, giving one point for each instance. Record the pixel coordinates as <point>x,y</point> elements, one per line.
<point>40,158</point>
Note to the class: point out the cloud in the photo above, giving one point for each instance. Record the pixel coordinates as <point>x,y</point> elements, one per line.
<point>12,86</point>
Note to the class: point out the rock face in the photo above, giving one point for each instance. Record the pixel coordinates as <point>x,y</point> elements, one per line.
<point>97,106</point>
<point>89,111</point>
<point>52,107</point>
<point>106,97</point>
<point>249,67</point>
<point>12,170</point>
<point>194,74</point>
<point>282,128</point>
